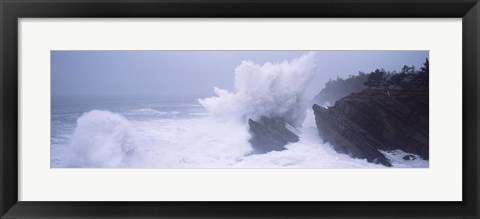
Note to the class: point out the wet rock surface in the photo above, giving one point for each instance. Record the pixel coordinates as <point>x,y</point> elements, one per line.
<point>409,157</point>
<point>363,123</point>
<point>270,134</point>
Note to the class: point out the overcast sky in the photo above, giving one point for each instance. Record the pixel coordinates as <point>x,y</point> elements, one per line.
<point>195,73</point>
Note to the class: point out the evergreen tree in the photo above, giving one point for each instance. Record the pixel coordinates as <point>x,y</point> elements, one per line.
<point>424,74</point>
<point>376,79</point>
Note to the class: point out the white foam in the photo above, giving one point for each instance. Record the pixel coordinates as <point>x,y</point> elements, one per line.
<point>309,119</point>
<point>101,139</point>
<point>396,158</point>
<point>306,153</point>
<point>271,89</point>
<point>105,139</point>
<point>221,138</point>
<point>147,111</point>
<point>192,143</point>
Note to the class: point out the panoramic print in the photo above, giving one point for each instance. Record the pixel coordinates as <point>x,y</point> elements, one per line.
<point>239,109</point>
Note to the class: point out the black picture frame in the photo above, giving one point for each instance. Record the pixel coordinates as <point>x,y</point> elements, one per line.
<point>12,10</point>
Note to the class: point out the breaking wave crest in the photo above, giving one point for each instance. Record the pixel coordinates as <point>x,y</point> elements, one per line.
<point>102,139</point>
<point>272,89</point>
<point>221,140</point>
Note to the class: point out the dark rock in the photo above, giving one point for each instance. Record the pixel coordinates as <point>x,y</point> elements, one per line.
<point>345,137</point>
<point>409,157</point>
<point>363,123</point>
<point>270,134</point>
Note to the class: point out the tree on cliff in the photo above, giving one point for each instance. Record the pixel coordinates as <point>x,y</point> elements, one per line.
<point>397,80</point>
<point>425,68</point>
<point>406,79</point>
<point>377,79</point>
<point>338,88</point>
<point>419,79</point>
<point>424,74</point>
<point>406,69</point>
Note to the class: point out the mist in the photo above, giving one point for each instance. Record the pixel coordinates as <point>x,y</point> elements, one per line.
<point>204,109</point>
<point>193,74</point>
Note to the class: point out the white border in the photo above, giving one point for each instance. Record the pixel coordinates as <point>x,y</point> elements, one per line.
<point>441,182</point>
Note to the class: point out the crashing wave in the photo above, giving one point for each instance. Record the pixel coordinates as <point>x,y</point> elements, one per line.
<point>271,89</point>
<point>102,139</point>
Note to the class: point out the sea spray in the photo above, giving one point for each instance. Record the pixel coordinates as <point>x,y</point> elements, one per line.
<point>102,139</point>
<point>151,138</point>
<point>106,139</point>
<point>271,89</point>
<point>198,142</point>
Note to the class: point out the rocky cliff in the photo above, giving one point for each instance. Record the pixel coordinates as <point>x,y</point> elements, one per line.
<point>363,123</point>
<point>270,134</point>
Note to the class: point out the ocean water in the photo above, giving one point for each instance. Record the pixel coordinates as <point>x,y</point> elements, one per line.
<point>119,132</point>
<point>200,132</point>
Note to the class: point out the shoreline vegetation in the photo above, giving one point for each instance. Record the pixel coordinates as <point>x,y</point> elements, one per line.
<point>268,119</point>
<point>374,112</point>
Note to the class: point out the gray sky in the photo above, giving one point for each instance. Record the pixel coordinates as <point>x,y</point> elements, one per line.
<point>195,73</point>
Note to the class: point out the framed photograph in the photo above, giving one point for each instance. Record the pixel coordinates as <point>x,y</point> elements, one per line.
<point>255,109</point>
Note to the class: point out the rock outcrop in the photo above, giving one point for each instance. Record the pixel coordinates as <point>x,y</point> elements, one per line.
<point>363,123</point>
<point>270,134</point>
<point>409,157</point>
